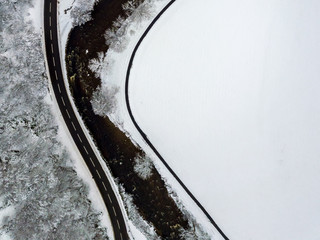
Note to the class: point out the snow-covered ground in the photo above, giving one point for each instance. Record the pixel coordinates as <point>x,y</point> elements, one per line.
<point>228,92</point>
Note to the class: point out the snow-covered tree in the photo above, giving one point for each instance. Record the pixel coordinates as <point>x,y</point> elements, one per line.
<point>116,39</point>
<point>135,11</point>
<point>143,11</point>
<point>96,65</point>
<point>143,167</point>
<point>81,11</point>
<point>104,100</point>
<point>129,7</point>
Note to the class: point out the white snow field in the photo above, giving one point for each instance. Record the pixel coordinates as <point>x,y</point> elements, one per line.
<point>228,92</point>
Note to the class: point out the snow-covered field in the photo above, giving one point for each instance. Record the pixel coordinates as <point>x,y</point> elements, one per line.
<point>228,92</point>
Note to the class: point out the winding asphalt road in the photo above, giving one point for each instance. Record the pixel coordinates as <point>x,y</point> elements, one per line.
<point>56,77</point>
<point>145,136</point>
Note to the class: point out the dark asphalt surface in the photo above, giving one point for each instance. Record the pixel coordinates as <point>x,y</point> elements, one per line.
<point>145,136</point>
<point>56,77</point>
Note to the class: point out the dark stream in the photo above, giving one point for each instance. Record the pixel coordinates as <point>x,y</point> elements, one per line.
<point>150,196</point>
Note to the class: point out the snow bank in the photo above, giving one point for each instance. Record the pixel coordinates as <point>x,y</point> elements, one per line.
<point>228,92</point>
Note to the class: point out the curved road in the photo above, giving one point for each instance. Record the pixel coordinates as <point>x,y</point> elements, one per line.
<point>56,77</point>
<point>145,136</point>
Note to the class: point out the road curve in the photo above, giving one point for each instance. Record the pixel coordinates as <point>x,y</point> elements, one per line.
<point>145,136</point>
<point>56,77</point>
